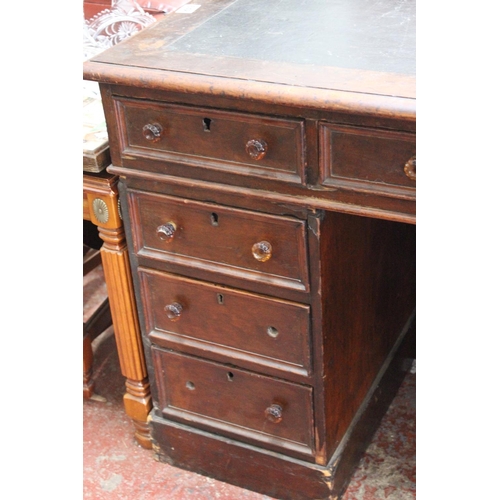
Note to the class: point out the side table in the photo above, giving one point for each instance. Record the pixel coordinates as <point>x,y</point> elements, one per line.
<point>101,207</point>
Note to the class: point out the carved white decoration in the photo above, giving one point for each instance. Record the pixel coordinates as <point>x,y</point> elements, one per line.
<point>111,26</point>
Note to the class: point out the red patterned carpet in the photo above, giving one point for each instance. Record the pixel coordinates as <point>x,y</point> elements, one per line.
<point>115,467</point>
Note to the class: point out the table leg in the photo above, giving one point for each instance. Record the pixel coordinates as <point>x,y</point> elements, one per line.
<point>88,358</point>
<point>115,262</point>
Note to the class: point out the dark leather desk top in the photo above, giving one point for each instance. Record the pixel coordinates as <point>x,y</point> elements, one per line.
<point>346,67</point>
<point>359,34</point>
<point>357,55</point>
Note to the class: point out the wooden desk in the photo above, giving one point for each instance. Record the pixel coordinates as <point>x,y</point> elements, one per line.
<point>100,205</point>
<point>266,155</point>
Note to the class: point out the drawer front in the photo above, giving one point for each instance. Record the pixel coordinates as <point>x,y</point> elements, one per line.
<point>247,144</point>
<point>240,243</point>
<point>368,158</point>
<point>200,317</point>
<point>273,412</point>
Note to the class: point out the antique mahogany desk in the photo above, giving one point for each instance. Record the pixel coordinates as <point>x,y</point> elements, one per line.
<point>266,156</point>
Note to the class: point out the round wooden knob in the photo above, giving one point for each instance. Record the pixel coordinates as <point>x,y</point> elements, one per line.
<point>173,311</point>
<point>274,413</point>
<point>262,251</point>
<point>166,231</point>
<point>152,131</point>
<point>256,148</point>
<point>410,168</point>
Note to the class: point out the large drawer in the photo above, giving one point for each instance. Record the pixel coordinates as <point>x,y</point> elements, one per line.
<point>275,413</point>
<point>240,243</point>
<point>241,143</point>
<point>227,324</point>
<point>368,159</point>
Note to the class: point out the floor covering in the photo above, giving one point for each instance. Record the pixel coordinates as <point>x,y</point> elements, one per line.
<point>115,467</point>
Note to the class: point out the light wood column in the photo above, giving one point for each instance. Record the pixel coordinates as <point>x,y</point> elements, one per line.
<point>101,207</point>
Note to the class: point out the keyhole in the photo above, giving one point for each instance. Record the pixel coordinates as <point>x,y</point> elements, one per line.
<point>272,332</point>
<point>206,124</point>
<point>230,376</point>
<point>220,299</point>
<point>214,219</point>
<point>190,385</point>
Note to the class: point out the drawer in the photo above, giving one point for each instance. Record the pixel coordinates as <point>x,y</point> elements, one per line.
<point>242,327</point>
<point>368,159</point>
<point>239,243</point>
<point>254,145</point>
<point>271,412</point>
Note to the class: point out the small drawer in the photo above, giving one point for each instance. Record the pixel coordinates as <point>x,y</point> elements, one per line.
<point>239,243</point>
<point>240,143</point>
<point>244,328</point>
<point>368,159</point>
<point>271,412</point>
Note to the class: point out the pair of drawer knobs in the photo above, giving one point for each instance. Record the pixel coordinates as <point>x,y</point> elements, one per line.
<point>255,148</point>
<point>174,312</point>
<point>262,250</point>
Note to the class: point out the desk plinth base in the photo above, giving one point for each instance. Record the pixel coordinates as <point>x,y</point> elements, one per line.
<point>274,474</point>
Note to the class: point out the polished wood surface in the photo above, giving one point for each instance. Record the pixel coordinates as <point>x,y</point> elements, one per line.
<point>233,402</point>
<point>114,255</point>
<point>268,184</point>
<point>223,140</point>
<point>367,296</point>
<point>252,328</point>
<point>203,232</point>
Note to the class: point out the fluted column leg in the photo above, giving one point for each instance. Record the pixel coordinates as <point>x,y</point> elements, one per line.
<point>101,207</point>
<point>137,399</point>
